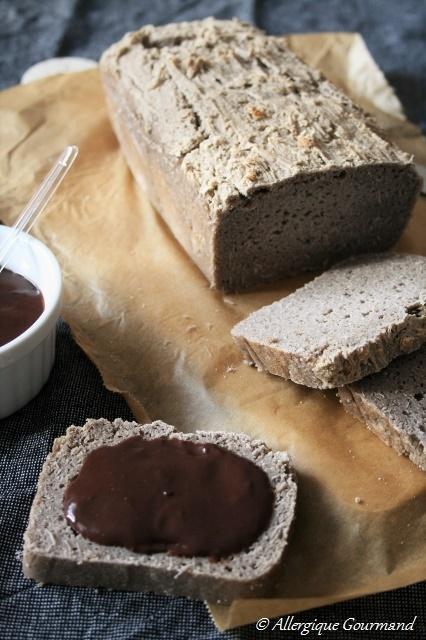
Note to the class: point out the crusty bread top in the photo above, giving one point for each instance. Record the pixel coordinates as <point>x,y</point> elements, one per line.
<point>237,108</point>
<point>371,308</point>
<point>48,534</point>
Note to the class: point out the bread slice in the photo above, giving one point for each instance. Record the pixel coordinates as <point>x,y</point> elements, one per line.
<point>53,553</point>
<point>392,404</point>
<point>349,322</point>
<point>260,167</point>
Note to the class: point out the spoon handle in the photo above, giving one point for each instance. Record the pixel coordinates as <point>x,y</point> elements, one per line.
<point>39,200</point>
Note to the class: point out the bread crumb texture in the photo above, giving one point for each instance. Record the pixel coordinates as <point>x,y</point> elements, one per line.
<point>349,322</point>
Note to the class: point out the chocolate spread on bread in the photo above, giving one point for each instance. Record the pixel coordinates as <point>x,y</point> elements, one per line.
<point>169,495</point>
<point>21,304</point>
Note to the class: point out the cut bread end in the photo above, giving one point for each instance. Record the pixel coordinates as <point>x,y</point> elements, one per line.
<point>349,322</point>
<point>392,404</point>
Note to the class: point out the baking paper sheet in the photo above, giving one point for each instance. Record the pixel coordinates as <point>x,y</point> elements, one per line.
<point>146,317</point>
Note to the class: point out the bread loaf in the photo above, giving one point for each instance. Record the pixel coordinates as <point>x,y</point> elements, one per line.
<point>54,553</point>
<point>260,167</point>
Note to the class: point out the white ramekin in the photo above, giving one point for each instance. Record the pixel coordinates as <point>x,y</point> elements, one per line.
<point>26,362</point>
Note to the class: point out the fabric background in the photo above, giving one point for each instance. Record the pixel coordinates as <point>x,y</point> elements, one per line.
<point>395,32</point>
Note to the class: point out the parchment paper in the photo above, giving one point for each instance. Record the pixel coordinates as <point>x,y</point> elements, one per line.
<point>147,318</point>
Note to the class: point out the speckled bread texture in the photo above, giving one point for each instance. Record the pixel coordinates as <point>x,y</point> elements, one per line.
<point>53,553</point>
<point>260,167</point>
<point>349,322</point>
<point>392,404</point>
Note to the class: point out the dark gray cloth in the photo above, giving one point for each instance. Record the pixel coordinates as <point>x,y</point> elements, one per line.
<point>29,32</point>
<point>395,30</point>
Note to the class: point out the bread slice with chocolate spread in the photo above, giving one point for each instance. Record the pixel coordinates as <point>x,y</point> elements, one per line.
<point>54,553</point>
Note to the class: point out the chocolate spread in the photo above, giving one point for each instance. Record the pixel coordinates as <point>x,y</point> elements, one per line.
<point>169,495</point>
<point>21,303</point>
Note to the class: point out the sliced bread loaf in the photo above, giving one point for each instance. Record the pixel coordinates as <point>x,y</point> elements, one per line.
<point>54,553</point>
<point>392,404</point>
<point>259,165</point>
<point>348,323</point>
